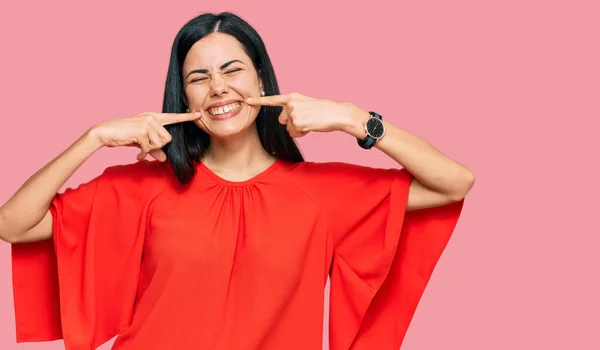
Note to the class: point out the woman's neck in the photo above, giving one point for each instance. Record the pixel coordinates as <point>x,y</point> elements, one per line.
<point>238,158</point>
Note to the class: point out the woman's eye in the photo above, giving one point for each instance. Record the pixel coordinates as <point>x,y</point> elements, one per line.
<point>195,80</point>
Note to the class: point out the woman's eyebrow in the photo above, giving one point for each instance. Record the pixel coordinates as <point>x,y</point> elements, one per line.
<point>205,71</point>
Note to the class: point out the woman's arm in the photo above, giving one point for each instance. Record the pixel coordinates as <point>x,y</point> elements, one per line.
<point>439,179</point>
<point>25,216</point>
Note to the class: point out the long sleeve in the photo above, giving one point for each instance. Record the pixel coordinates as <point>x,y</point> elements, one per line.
<point>383,256</point>
<point>81,285</point>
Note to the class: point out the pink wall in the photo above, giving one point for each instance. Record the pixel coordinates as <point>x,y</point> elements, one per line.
<point>511,88</point>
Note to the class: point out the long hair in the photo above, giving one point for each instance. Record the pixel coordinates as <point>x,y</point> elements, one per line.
<point>188,142</point>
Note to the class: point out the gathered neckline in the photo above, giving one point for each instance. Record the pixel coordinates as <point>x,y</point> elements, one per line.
<point>246,182</point>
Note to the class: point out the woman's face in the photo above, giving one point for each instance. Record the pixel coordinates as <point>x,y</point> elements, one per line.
<point>218,76</point>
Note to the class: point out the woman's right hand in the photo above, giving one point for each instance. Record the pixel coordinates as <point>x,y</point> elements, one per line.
<point>145,131</point>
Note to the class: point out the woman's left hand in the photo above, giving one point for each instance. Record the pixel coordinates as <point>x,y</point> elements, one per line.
<point>302,114</point>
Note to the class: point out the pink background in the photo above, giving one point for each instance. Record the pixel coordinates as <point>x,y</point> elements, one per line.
<point>511,88</point>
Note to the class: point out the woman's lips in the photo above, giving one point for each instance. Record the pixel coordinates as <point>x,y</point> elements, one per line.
<point>224,110</point>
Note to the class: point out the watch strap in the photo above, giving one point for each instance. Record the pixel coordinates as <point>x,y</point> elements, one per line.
<point>368,142</point>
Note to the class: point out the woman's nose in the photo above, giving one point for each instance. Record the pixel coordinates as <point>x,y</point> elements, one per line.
<point>218,86</point>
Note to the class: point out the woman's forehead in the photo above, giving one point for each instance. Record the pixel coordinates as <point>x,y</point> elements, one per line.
<point>214,50</point>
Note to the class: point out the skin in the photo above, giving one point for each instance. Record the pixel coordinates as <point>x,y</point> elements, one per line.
<point>235,153</point>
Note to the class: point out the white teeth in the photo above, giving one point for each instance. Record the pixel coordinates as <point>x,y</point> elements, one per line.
<point>224,109</point>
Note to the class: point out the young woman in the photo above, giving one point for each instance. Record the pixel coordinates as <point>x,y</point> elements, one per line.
<point>226,239</point>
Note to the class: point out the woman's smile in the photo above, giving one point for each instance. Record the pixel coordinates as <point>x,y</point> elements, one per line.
<point>224,110</point>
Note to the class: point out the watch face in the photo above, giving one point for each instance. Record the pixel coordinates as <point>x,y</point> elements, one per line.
<point>375,128</point>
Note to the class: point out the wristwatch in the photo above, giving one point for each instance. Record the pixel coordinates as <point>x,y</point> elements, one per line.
<point>375,130</point>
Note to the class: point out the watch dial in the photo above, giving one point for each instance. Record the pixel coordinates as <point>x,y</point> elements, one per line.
<point>375,127</point>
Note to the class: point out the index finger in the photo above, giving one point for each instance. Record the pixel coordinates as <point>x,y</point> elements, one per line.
<point>173,118</point>
<point>274,100</point>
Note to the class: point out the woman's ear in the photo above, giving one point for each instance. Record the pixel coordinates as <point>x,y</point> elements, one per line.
<point>185,100</point>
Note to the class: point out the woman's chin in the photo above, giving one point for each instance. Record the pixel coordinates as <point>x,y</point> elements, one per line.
<point>230,127</point>
<point>224,129</point>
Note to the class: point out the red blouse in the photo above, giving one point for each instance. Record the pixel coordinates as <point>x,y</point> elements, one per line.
<point>230,265</point>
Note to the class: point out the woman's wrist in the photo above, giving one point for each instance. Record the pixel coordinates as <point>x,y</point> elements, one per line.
<point>92,139</point>
<point>354,124</point>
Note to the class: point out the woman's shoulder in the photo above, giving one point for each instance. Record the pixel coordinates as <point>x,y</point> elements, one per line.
<point>339,179</point>
<point>337,170</point>
<point>143,175</point>
<point>337,184</point>
<point>140,170</point>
